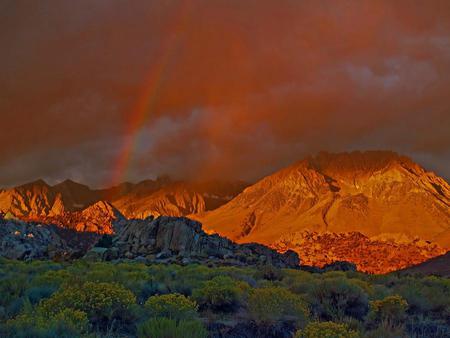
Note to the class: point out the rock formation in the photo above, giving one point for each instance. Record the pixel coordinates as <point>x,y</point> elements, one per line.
<point>172,239</point>
<point>373,255</point>
<point>24,240</point>
<point>164,239</point>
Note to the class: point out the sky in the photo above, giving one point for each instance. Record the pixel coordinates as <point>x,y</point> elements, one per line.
<point>105,91</point>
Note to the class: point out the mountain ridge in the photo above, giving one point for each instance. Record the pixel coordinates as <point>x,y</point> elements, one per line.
<point>375,193</point>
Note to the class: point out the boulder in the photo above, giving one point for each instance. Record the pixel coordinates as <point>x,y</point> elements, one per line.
<point>178,237</point>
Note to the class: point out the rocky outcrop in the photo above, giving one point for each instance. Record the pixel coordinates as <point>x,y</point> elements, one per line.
<point>381,254</point>
<point>99,218</point>
<point>164,239</point>
<point>179,239</point>
<point>23,241</point>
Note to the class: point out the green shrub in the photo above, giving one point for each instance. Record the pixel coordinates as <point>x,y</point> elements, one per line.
<point>38,323</point>
<point>271,304</point>
<point>37,293</point>
<point>172,306</point>
<point>169,328</point>
<point>220,294</point>
<point>391,311</point>
<point>269,272</point>
<point>326,330</point>
<point>102,302</point>
<point>387,332</point>
<point>336,298</point>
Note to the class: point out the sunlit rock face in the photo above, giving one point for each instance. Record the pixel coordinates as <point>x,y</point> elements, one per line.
<point>76,206</point>
<point>374,193</point>
<point>372,255</point>
<point>150,198</point>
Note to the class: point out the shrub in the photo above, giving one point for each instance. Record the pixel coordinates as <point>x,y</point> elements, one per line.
<point>172,306</point>
<point>269,272</point>
<point>38,323</point>
<point>103,302</point>
<point>169,328</point>
<point>271,304</point>
<point>326,330</point>
<point>391,311</point>
<point>37,293</point>
<point>300,282</point>
<point>336,298</point>
<point>427,327</point>
<point>387,332</point>
<point>220,293</point>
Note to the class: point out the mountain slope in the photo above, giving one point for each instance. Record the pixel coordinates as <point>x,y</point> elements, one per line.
<point>375,193</point>
<point>75,206</point>
<point>439,266</point>
<point>176,198</point>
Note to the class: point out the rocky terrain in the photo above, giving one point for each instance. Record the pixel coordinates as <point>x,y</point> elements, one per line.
<point>372,255</point>
<point>164,239</point>
<point>100,218</point>
<point>174,239</point>
<point>24,240</point>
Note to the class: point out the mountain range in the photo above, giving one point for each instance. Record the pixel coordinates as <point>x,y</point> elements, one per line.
<point>377,209</point>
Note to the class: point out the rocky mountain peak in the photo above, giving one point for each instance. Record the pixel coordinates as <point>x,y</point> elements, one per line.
<point>372,193</point>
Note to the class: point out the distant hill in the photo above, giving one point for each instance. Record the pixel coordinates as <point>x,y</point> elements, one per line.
<point>439,266</point>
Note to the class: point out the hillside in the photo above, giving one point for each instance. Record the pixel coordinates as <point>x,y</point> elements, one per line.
<point>378,194</point>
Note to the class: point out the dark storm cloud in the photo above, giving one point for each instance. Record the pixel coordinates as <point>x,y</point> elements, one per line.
<point>245,87</point>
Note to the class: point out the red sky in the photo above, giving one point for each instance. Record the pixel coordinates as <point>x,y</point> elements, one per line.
<point>235,89</point>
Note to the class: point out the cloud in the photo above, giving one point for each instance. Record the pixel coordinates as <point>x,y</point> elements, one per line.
<point>240,88</point>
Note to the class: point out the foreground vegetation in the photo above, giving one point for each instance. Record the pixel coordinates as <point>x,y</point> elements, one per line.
<point>84,299</point>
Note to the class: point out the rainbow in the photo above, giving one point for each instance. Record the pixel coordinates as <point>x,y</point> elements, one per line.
<point>141,110</point>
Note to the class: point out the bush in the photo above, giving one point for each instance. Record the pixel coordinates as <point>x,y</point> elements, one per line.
<point>336,298</point>
<point>37,293</point>
<point>387,332</point>
<point>102,302</point>
<point>271,304</point>
<point>169,328</point>
<point>220,294</point>
<point>38,323</point>
<point>269,272</point>
<point>326,330</point>
<point>172,306</point>
<point>427,327</point>
<point>391,311</point>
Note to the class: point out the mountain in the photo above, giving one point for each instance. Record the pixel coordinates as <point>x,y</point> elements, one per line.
<point>149,198</point>
<point>76,206</point>
<point>40,199</point>
<point>381,195</point>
